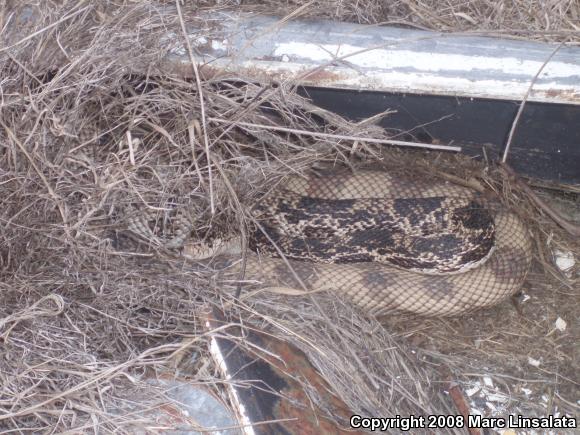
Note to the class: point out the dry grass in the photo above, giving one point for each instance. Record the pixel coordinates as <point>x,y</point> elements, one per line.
<point>555,20</point>
<point>86,318</point>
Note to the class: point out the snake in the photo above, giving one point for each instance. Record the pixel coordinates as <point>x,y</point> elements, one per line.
<point>386,243</point>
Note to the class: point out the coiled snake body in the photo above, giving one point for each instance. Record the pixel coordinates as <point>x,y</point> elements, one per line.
<point>386,243</point>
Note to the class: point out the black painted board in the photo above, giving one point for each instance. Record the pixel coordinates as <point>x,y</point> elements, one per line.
<point>546,144</point>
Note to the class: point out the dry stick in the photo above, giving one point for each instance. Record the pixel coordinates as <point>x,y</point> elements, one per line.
<point>201,102</point>
<point>568,226</point>
<point>256,101</point>
<point>194,126</point>
<point>339,136</point>
<point>241,222</point>
<point>574,230</point>
<point>32,312</point>
<point>40,174</point>
<point>523,103</point>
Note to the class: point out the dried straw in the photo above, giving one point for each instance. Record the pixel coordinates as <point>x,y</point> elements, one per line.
<point>87,316</point>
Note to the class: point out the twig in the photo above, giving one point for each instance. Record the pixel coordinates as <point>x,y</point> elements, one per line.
<point>241,222</point>
<point>571,228</point>
<point>201,104</point>
<point>523,103</point>
<point>340,136</point>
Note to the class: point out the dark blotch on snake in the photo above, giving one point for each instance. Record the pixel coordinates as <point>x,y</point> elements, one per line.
<point>258,238</point>
<point>444,246</point>
<point>415,209</point>
<point>407,263</point>
<point>438,287</point>
<point>311,232</point>
<point>372,238</point>
<point>505,271</point>
<point>378,279</point>
<point>479,252</point>
<point>474,216</point>
<point>325,206</point>
<point>287,276</point>
<point>329,250</point>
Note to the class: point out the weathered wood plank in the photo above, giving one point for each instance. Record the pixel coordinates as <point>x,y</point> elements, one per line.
<point>385,59</point>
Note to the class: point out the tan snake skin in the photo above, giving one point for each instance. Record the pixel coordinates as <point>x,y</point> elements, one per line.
<point>378,288</point>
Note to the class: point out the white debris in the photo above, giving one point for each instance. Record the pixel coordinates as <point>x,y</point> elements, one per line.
<point>560,324</point>
<point>471,391</point>
<point>491,407</point>
<point>525,298</point>
<point>533,362</point>
<point>202,40</point>
<point>219,45</point>
<point>476,411</point>
<point>497,397</point>
<point>564,260</point>
<point>285,58</point>
<point>484,398</point>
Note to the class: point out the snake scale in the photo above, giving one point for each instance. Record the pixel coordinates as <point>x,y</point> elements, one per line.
<point>386,243</point>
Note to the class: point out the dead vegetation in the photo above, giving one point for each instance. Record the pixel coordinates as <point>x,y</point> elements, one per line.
<point>86,318</point>
<point>528,19</point>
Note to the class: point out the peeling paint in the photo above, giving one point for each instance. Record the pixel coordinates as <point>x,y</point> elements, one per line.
<point>359,57</point>
<point>393,81</point>
<point>382,59</point>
